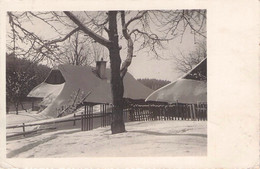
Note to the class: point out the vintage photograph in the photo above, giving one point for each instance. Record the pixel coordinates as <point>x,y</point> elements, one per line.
<point>123,83</point>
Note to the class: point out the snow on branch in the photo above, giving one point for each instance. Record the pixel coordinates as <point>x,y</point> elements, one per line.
<point>130,46</point>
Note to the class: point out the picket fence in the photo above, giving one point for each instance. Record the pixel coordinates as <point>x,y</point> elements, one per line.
<point>134,112</point>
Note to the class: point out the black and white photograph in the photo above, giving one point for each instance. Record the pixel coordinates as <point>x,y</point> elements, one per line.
<point>129,84</point>
<point>106,83</point>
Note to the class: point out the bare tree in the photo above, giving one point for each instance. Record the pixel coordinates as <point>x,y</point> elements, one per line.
<point>98,52</point>
<point>185,62</point>
<point>77,51</point>
<point>148,30</point>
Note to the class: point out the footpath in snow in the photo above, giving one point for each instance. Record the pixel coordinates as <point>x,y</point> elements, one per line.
<point>148,138</point>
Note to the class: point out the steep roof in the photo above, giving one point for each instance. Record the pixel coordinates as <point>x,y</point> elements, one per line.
<point>83,79</point>
<point>190,88</point>
<point>199,72</point>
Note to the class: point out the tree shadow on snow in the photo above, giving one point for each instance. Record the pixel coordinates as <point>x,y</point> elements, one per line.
<point>167,134</point>
<point>30,146</point>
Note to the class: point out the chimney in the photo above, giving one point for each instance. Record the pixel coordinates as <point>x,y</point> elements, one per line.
<point>101,68</point>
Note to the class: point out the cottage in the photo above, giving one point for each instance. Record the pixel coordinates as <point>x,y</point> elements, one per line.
<point>189,89</point>
<point>69,83</point>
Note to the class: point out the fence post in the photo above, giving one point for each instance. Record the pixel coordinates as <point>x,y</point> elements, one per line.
<point>103,115</point>
<point>74,122</point>
<point>194,112</point>
<point>23,130</point>
<point>177,109</point>
<point>149,113</point>
<point>84,118</point>
<point>87,118</point>
<point>92,121</point>
<point>199,111</point>
<point>91,117</point>
<point>143,115</point>
<point>184,112</point>
<point>132,115</point>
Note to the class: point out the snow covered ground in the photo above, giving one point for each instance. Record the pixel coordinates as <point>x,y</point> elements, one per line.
<point>148,138</point>
<point>38,118</point>
<point>23,117</point>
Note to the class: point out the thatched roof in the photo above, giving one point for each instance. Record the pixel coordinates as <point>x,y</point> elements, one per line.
<point>83,80</point>
<point>190,88</point>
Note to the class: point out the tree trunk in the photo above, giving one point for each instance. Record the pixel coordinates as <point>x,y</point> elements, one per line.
<point>23,107</point>
<point>16,104</point>
<point>117,87</point>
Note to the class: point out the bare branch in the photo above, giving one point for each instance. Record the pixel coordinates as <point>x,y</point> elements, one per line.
<point>86,30</point>
<point>29,37</point>
<point>130,46</point>
<point>150,36</point>
<point>185,62</point>
<point>45,21</point>
<point>192,27</point>
<point>135,18</point>
<point>60,40</point>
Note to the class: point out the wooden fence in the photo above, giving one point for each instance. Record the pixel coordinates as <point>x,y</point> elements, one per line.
<point>90,120</point>
<point>87,117</point>
<point>169,112</point>
<point>105,117</point>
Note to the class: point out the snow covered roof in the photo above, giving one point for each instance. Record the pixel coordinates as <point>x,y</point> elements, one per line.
<point>190,88</point>
<point>83,80</point>
<point>199,72</point>
<point>182,90</point>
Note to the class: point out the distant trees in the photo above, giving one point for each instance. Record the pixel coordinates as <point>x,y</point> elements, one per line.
<point>153,83</point>
<point>21,77</point>
<point>80,51</point>
<point>76,51</point>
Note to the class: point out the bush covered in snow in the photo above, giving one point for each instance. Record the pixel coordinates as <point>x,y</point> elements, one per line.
<point>21,77</point>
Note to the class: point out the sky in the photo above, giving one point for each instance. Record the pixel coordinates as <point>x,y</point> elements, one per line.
<point>143,65</point>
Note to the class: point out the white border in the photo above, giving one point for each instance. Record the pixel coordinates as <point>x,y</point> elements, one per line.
<point>233,105</point>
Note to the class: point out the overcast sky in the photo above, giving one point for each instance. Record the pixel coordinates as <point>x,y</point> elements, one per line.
<point>143,65</point>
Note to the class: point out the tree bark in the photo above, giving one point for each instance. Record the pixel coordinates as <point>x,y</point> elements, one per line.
<point>117,87</point>
<point>16,104</point>
<point>130,46</point>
